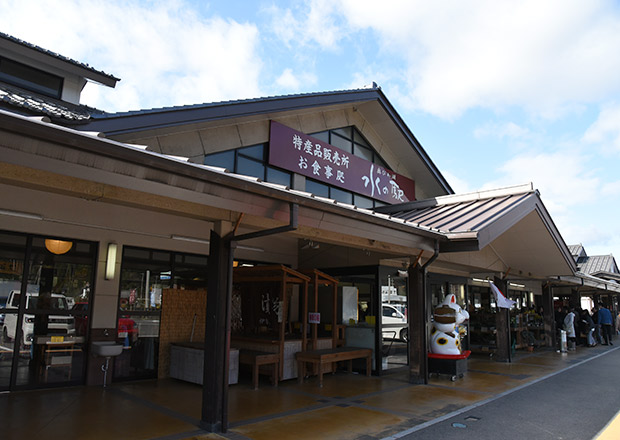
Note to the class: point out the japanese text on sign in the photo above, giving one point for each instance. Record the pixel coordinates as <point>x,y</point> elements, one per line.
<point>313,158</point>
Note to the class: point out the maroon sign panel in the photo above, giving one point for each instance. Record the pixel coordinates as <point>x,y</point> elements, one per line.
<point>303,154</point>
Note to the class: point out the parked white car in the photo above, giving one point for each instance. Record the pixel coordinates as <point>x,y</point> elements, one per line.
<point>57,324</point>
<point>394,322</point>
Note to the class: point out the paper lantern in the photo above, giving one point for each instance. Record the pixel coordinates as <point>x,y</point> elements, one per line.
<point>58,247</point>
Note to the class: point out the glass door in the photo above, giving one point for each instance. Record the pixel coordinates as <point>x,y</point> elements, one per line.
<point>394,319</point>
<point>42,279</point>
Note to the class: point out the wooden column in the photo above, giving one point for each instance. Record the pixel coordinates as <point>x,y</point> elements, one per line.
<point>502,326</point>
<point>217,335</point>
<point>418,317</point>
<point>549,316</point>
<point>575,299</point>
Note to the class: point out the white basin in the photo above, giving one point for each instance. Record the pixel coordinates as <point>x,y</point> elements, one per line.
<point>106,348</point>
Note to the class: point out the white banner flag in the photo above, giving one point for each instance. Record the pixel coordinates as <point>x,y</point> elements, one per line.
<point>500,299</point>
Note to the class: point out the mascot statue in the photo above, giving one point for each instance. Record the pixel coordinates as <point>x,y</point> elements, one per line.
<point>445,336</point>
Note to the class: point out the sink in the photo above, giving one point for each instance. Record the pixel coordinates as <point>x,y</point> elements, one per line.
<point>106,348</point>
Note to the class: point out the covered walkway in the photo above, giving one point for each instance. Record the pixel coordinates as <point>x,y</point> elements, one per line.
<point>349,406</point>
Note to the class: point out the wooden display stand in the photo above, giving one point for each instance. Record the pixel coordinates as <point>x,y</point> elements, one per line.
<point>330,356</point>
<point>57,352</point>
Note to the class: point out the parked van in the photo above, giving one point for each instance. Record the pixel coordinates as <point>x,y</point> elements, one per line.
<point>56,324</point>
<point>394,322</point>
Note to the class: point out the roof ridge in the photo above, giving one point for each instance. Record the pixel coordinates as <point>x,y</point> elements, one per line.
<point>233,101</point>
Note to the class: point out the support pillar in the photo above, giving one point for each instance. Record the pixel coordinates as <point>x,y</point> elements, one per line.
<point>575,299</point>
<point>418,318</point>
<point>502,326</point>
<point>549,316</point>
<point>217,334</point>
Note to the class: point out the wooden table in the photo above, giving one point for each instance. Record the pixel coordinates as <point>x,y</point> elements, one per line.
<point>258,358</point>
<point>331,355</point>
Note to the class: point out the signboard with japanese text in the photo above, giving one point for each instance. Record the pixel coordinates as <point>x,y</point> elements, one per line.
<point>311,157</point>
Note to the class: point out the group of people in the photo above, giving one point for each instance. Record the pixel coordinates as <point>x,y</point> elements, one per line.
<point>583,328</point>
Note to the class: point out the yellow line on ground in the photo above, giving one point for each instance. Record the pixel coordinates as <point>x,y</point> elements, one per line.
<point>611,431</point>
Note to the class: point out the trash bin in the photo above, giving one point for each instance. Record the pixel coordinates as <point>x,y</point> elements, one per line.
<point>563,343</point>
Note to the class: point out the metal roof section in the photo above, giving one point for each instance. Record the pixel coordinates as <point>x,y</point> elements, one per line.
<point>32,104</point>
<point>577,250</point>
<point>117,124</point>
<point>10,42</point>
<point>588,283</point>
<point>512,221</point>
<point>599,263</point>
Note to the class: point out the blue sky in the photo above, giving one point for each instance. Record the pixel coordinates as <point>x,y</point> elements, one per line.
<point>499,93</point>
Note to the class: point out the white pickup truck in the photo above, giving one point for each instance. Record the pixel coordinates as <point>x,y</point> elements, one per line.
<point>56,324</point>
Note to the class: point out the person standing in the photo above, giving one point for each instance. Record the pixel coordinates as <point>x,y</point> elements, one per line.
<point>605,320</point>
<point>569,326</point>
<point>597,329</point>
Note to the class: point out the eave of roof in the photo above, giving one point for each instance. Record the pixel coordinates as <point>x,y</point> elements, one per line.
<point>473,221</point>
<point>89,142</point>
<point>114,124</point>
<point>86,70</point>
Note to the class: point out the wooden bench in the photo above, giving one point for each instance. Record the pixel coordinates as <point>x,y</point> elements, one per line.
<point>258,358</point>
<point>331,355</point>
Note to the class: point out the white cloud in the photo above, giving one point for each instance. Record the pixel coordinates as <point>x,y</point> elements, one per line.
<point>293,83</point>
<point>563,178</point>
<point>605,131</point>
<point>163,52</point>
<point>314,21</point>
<point>544,56</point>
<point>458,185</point>
<point>504,130</point>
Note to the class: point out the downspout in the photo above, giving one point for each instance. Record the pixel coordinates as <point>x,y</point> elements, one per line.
<point>427,303</point>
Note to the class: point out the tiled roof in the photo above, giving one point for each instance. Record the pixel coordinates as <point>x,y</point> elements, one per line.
<point>31,103</point>
<point>56,55</point>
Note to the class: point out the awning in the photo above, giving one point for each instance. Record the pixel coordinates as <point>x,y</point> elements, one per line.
<point>512,221</point>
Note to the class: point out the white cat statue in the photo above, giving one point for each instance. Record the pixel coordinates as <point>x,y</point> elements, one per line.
<point>445,337</point>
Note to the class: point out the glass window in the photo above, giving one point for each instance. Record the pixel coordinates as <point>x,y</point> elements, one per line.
<point>346,132</point>
<point>225,159</point>
<point>322,136</point>
<point>143,285</point>
<point>276,176</point>
<point>362,202</point>
<point>340,142</point>
<point>53,308</point>
<point>359,139</point>
<point>250,167</point>
<point>316,188</point>
<point>30,78</point>
<point>363,152</point>
<point>255,151</point>
<point>342,196</point>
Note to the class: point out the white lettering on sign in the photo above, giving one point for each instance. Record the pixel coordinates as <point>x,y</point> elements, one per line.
<point>326,154</point>
<point>375,184</point>
<point>333,163</point>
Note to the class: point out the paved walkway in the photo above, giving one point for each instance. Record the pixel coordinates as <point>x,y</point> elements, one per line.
<point>349,406</point>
